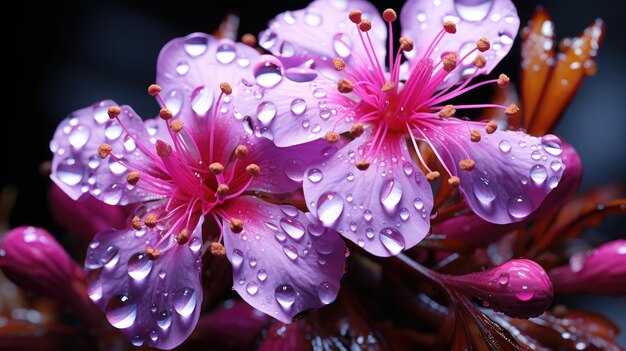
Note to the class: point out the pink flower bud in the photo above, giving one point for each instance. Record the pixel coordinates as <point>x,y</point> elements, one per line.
<point>519,288</point>
<point>603,271</point>
<point>32,259</point>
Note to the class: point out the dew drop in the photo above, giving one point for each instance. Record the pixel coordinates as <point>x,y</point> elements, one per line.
<point>294,169</point>
<point>154,336</point>
<point>315,175</point>
<point>525,294</point>
<point>555,166</point>
<point>184,301</point>
<point>261,275</point>
<point>201,100</point>
<point>226,52</point>
<point>300,74</point>
<point>367,215</point>
<point>538,173</point>
<point>519,206</point>
<point>164,319</point>
<point>237,258</point>
<point>404,214</point>
<point>292,227</point>
<point>407,168</point>
<point>505,146</point>
<point>285,295</point>
<point>535,155</point>
<point>79,136</point>
<point>327,292</point>
<point>552,144</point>
<point>94,285</point>
<point>392,240</point>
<point>182,68</point>
<point>266,111</point>
<point>291,252</point>
<point>342,45</point>
<point>139,266</point>
<point>390,194</point>
<point>473,10</point>
<point>196,46</point>
<point>330,207</point>
<point>252,288</point>
<point>315,229</point>
<point>369,233</point>
<point>319,93</point>
<point>70,172</point>
<point>195,244</point>
<point>268,71</point>
<point>503,278</point>
<point>312,19</point>
<point>298,106</point>
<point>174,101</point>
<point>121,311</point>
<point>112,194</point>
<point>553,182</point>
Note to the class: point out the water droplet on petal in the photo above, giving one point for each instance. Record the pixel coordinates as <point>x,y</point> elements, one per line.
<point>315,175</point>
<point>294,169</point>
<point>164,319</point>
<point>407,168</point>
<point>174,101</point>
<point>300,74</point>
<point>503,278</point>
<point>195,244</point>
<point>315,229</point>
<point>330,207</point>
<point>268,71</point>
<point>319,93</point>
<point>79,136</point>
<point>392,240</point>
<point>525,294</point>
<point>182,68</point>
<point>226,52</point>
<point>139,266</point>
<point>473,10</point>
<point>418,204</point>
<point>184,301</point>
<point>484,192</point>
<point>519,206</point>
<point>113,194</point>
<point>327,292</point>
<point>237,258</point>
<point>390,194</point>
<point>291,252</point>
<point>552,144</point>
<point>505,146</point>
<point>553,182</point>
<point>94,285</point>
<point>195,46</point>
<point>342,45</point>
<point>121,311</point>
<point>312,19</point>
<point>292,227</point>
<point>285,295</point>
<point>266,111</point>
<point>368,215</point>
<point>201,100</point>
<point>261,275</point>
<point>70,172</point>
<point>252,288</point>
<point>298,106</point>
<point>555,166</point>
<point>404,214</point>
<point>538,173</point>
<point>154,336</point>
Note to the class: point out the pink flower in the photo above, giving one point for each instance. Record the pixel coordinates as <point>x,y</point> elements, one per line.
<point>195,162</point>
<point>331,79</point>
<point>602,271</point>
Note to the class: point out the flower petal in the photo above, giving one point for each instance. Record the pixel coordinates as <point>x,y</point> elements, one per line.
<point>283,263</point>
<point>495,20</point>
<point>190,70</point>
<point>76,166</point>
<point>384,209</point>
<point>321,32</point>
<point>155,303</point>
<point>282,169</point>
<point>513,172</point>
<point>292,111</point>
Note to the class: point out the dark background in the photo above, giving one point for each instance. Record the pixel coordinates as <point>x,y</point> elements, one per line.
<point>83,51</point>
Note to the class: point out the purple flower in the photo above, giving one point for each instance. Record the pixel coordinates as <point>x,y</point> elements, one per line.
<point>519,288</point>
<point>195,162</point>
<point>602,271</point>
<point>332,79</point>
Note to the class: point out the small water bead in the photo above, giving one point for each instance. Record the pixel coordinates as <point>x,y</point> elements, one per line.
<point>505,38</point>
<point>195,46</point>
<point>139,266</point>
<point>538,173</point>
<point>266,111</point>
<point>330,207</point>
<point>252,288</point>
<point>174,101</point>
<point>121,311</point>
<point>553,182</point>
<point>292,227</point>
<point>154,336</point>
<point>369,233</point>
<point>195,244</point>
<point>418,204</point>
<point>70,172</point>
<point>300,74</point>
<point>100,114</point>
<point>524,180</point>
<point>268,38</point>
<point>94,285</point>
<point>182,68</point>
<point>319,93</point>
<point>404,214</point>
<point>226,52</point>
<point>285,295</point>
<point>280,236</point>
<point>552,144</point>
<point>184,301</point>
<point>519,206</point>
<point>503,278</point>
<point>266,133</point>
<point>367,215</point>
<point>327,292</point>
<point>350,177</point>
<point>137,341</point>
<point>360,242</point>
<point>525,294</point>
<point>113,130</point>
<point>407,168</point>
<point>312,19</point>
<point>237,258</point>
<point>252,262</point>
<point>473,10</point>
<point>112,194</point>
<point>390,194</point>
<point>522,144</point>
<point>268,71</point>
<point>505,146</point>
<point>79,135</point>
<point>315,175</point>
<point>164,319</point>
<point>162,274</point>
<point>316,229</point>
<point>392,240</point>
<point>535,155</point>
<point>342,45</point>
<point>298,106</point>
<point>261,275</point>
<point>201,100</point>
<point>291,252</point>
<point>555,166</point>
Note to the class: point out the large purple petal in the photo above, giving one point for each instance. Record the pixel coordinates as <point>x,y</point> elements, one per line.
<point>190,70</point>
<point>283,263</point>
<point>513,173</point>
<point>385,209</point>
<point>321,32</point>
<point>495,20</point>
<point>296,109</point>
<point>154,303</point>
<point>76,166</point>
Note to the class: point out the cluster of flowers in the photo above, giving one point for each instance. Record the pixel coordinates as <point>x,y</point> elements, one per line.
<point>271,160</point>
